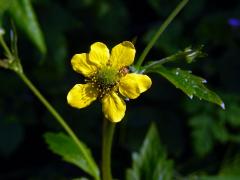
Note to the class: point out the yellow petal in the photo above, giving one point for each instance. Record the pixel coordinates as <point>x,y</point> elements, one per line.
<point>81,64</point>
<point>99,54</point>
<point>81,95</point>
<point>113,107</point>
<point>122,55</point>
<point>132,85</point>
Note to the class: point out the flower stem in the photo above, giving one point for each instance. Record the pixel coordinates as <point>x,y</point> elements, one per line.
<point>57,116</point>
<point>5,47</point>
<point>159,62</point>
<point>108,132</point>
<point>159,32</point>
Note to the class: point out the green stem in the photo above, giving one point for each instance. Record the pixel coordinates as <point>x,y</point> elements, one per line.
<point>108,132</point>
<point>160,31</point>
<point>57,116</point>
<point>5,47</point>
<point>159,62</point>
<point>163,61</point>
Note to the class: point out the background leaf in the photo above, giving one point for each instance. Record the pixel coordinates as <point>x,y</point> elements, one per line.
<point>4,5</point>
<point>231,167</point>
<point>209,127</point>
<point>151,162</point>
<point>190,84</point>
<point>217,178</point>
<point>11,135</point>
<point>24,16</point>
<point>201,134</point>
<point>64,146</point>
<point>230,170</point>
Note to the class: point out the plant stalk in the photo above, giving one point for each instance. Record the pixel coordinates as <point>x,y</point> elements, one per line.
<point>108,132</point>
<point>57,116</point>
<point>5,47</point>
<point>159,32</point>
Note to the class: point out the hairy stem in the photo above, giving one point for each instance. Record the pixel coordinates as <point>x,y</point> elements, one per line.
<point>159,32</point>
<point>57,116</point>
<point>5,47</point>
<point>108,132</point>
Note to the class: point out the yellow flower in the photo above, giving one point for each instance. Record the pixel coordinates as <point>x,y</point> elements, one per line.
<point>108,79</point>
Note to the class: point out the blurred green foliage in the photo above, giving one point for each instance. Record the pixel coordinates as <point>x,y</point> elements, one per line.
<point>210,126</point>
<point>24,16</point>
<point>64,146</point>
<point>201,139</point>
<point>151,162</point>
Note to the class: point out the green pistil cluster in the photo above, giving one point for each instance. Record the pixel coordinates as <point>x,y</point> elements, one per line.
<point>105,80</point>
<point>107,76</point>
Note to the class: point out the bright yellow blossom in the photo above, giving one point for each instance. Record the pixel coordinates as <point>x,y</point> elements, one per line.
<point>107,78</point>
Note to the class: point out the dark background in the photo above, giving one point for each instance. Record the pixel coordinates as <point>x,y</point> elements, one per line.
<point>198,136</point>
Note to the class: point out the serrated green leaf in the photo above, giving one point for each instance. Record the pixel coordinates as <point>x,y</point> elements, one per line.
<point>24,16</point>
<point>190,84</point>
<point>151,162</point>
<point>64,146</point>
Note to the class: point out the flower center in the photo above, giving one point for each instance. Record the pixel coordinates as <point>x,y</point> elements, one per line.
<point>105,80</point>
<point>107,76</point>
